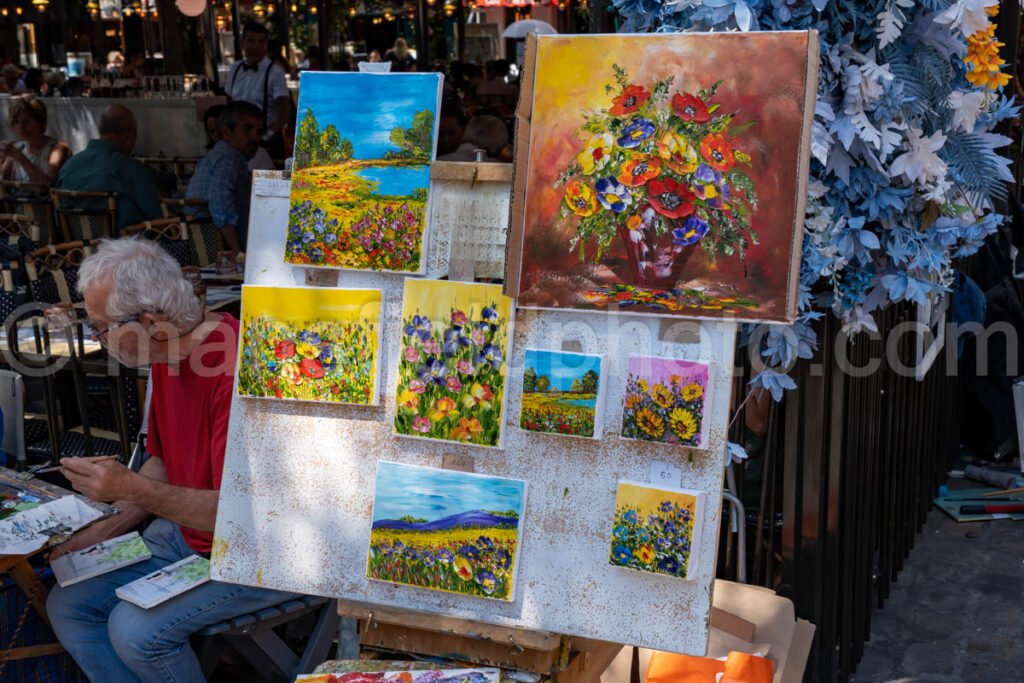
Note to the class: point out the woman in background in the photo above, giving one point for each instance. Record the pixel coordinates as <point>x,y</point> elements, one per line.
<point>36,157</point>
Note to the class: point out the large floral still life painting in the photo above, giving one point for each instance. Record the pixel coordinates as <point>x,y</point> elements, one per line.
<point>665,176</point>
<point>452,367</point>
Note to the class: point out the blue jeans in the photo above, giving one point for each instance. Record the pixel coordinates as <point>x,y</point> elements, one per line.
<point>117,642</point>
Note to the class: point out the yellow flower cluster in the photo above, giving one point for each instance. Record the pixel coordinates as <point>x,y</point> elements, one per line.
<point>983,58</point>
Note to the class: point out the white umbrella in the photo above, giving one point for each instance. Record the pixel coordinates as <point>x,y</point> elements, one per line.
<point>519,29</point>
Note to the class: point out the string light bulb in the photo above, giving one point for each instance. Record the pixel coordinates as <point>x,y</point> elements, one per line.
<point>40,4</point>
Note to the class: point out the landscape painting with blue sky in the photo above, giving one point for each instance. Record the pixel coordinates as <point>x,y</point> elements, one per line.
<point>561,392</point>
<point>446,530</point>
<point>363,148</point>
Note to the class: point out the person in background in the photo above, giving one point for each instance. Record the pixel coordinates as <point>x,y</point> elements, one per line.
<point>36,157</point>
<point>34,82</point>
<point>490,134</point>
<point>13,81</point>
<point>374,56</point>
<point>261,161</point>
<point>494,84</point>
<point>115,60</point>
<point>450,132</point>
<point>312,62</point>
<point>135,65</point>
<point>222,177</point>
<point>145,313</point>
<point>260,82</point>
<point>400,58</point>
<point>106,165</point>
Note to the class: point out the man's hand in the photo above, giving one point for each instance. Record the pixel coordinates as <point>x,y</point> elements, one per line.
<point>103,481</point>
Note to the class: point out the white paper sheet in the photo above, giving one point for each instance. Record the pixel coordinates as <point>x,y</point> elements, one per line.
<point>29,531</point>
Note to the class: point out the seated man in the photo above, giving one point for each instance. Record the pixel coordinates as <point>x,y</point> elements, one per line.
<point>145,312</point>
<point>105,165</point>
<point>223,178</point>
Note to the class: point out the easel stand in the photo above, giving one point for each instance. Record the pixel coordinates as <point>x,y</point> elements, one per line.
<point>564,659</point>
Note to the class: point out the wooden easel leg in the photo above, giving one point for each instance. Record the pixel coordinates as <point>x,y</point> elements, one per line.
<point>33,588</point>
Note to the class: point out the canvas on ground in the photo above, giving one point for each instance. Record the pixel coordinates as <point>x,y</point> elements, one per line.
<point>452,374</point>
<point>656,529</point>
<point>561,393</point>
<point>446,530</point>
<point>310,344</point>
<point>361,177</point>
<point>664,174</point>
<point>478,675</point>
<point>666,401</point>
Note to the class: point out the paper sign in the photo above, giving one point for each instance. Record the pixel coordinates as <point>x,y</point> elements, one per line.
<point>270,187</point>
<point>665,474</point>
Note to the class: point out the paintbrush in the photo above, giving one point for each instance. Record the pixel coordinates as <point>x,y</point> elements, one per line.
<point>101,458</point>
<point>1003,492</point>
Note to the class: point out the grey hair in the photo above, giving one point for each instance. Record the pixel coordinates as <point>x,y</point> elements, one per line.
<point>143,278</point>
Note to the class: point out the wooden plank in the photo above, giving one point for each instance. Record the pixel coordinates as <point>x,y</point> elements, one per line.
<point>30,651</point>
<point>471,171</point>
<point>530,640</point>
<point>29,583</point>
<point>587,664</point>
<point>477,650</point>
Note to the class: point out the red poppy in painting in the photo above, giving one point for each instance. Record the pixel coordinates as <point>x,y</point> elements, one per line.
<point>284,349</point>
<point>312,368</point>
<point>715,149</point>
<point>690,108</point>
<point>631,99</point>
<point>669,198</point>
<point>638,171</point>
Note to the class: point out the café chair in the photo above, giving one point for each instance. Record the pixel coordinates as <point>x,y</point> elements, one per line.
<point>206,236</point>
<point>85,215</point>
<point>18,229</point>
<point>172,234</point>
<point>33,201</point>
<point>52,272</point>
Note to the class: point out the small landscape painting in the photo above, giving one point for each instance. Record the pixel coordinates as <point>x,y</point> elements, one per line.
<point>666,401</point>
<point>561,393</point>
<point>360,183</point>
<point>479,675</point>
<point>310,344</point>
<point>656,529</point>
<point>446,530</point>
<point>664,174</point>
<point>452,373</point>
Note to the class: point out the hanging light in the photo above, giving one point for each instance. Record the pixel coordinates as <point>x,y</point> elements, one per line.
<point>312,10</point>
<point>258,8</point>
<point>17,10</point>
<point>294,8</point>
<point>270,8</point>
<point>449,9</point>
<point>3,12</point>
<point>92,7</point>
<point>40,4</point>
<point>352,11</point>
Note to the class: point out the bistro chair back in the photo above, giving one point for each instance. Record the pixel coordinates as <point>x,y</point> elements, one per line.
<point>16,227</point>
<point>33,201</point>
<point>172,234</point>
<point>52,272</point>
<point>206,236</point>
<point>85,215</point>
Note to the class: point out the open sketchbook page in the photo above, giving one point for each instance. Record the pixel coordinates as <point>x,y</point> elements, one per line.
<point>29,531</point>
<point>101,558</point>
<point>164,584</point>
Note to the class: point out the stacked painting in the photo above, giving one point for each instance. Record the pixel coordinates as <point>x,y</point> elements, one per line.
<point>445,530</point>
<point>310,344</point>
<point>361,177</point>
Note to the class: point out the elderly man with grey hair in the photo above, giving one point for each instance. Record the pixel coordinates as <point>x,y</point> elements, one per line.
<point>144,311</point>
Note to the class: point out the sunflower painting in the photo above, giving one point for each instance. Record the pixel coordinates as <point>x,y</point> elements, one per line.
<point>656,529</point>
<point>666,401</point>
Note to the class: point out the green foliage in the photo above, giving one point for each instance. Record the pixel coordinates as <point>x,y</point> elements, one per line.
<point>589,382</point>
<point>544,384</point>
<point>529,380</point>
<point>409,519</point>
<point>415,142</point>
<point>316,147</point>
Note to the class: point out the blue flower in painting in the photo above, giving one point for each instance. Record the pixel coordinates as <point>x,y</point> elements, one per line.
<point>630,516</point>
<point>662,543</point>
<point>706,175</point>
<point>308,237</point>
<point>427,558</point>
<point>446,556</point>
<point>620,532</point>
<point>667,506</point>
<point>309,337</point>
<point>327,358</point>
<point>420,326</point>
<point>272,365</point>
<point>643,535</point>
<point>612,194</point>
<point>635,133</point>
<point>489,314</point>
<point>485,543</point>
<point>470,552</point>
<point>502,559</point>
<point>669,565</point>
<point>411,554</point>
<point>684,514</point>
<point>693,231</point>
<point>294,245</point>
<point>489,354</point>
<point>319,226</point>
<point>486,580</point>
<point>330,238</point>
<point>453,339</point>
<point>334,222</point>
<point>653,519</point>
<point>433,371</point>
<point>670,527</point>
<point>621,554</point>
<point>316,254</point>
<point>384,549</point>
<point>318,214</point>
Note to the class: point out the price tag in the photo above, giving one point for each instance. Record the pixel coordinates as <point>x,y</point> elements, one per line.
<point>666,474</point>
<point>270,187</point>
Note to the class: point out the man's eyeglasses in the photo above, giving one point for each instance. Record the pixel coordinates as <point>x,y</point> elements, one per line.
<point>100,334</point>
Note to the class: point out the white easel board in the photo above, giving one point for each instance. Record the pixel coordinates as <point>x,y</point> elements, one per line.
<point>298,483</point>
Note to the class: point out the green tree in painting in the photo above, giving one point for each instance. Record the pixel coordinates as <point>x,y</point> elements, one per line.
<point>316,147</point>
<point>589,382</point>
<point>345,149</point>
<point>543,384</point>
<point>577,386</point>
<point>414,143</point>
<point>530,381</point>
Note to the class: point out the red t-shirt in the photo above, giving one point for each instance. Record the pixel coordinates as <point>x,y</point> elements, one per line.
<point>188,416</point>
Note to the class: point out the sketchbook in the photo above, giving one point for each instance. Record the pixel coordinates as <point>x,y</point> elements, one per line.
<point>101,558</point>
<point>164,584</point>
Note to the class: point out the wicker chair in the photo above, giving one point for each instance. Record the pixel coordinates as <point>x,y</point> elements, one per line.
<point>52,272</point>
<point>206,236</point>
<point>85,215</point>
<point>16,227</point>
<point>33,201</point>
<point>172,234</point>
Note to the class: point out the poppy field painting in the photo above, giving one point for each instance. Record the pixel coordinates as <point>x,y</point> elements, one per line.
<point>452,367</point>
<point>562,394</point>
<point>665,174</point>
<point>479,675</point>
<point>445,530</point>
<point>310,344</point>
<point>666,401</point>
<point>364,144</point>
<point>656,529</point>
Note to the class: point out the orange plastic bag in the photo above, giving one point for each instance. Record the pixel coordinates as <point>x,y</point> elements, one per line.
<point>739,667</point>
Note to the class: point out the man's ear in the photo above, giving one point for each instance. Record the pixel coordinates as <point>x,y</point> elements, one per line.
<point>157,325</point>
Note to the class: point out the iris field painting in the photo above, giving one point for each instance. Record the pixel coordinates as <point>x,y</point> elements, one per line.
<point>666,401</point>
<point>664,175</point>
<point>452,372</point>
<point>363,148</point>
<point>446,530</point>
<point>656,529</point>
<point>561,393</point>
<point>310,344</point>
